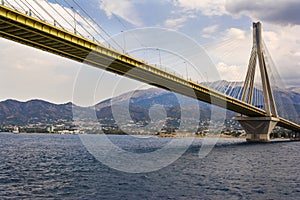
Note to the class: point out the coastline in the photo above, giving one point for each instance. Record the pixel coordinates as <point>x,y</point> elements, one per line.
<point>188,135</point>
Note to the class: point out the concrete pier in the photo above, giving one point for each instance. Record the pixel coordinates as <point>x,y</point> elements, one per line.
<point>258,129</point>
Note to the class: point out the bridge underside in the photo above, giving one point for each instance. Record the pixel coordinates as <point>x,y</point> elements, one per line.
<point>258,129</point>
<point>32,32</point>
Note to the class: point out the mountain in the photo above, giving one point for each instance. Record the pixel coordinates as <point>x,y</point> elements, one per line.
<point>141,101</point>
<point>14,112</point>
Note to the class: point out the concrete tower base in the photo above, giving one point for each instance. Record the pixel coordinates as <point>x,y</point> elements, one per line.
<point>258,129</point>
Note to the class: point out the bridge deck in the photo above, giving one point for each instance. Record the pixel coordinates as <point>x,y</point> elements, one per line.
<point>27,30</point>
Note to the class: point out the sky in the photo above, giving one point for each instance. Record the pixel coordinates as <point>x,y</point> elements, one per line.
<point>223,28</point>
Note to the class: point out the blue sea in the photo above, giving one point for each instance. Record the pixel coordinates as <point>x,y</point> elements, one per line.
<point>40,166</point>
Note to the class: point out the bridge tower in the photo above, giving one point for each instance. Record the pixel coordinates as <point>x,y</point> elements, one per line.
<point>258,129</point>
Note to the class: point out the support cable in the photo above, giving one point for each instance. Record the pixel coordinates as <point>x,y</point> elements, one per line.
<point>119,46</point>
<point>20,6</point>
<point>70,14</point>
<point>36,13</point>
<point>100,27</point>
<point>59,14</point>
<point>48,13</point>
<point>79,15</point>
<point>11,5</point>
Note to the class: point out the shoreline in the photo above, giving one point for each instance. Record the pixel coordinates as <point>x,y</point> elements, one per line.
<point>186,135</point>
<point>175,136</point>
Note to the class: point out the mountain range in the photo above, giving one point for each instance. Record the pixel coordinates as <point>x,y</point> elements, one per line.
<point>14,112</point>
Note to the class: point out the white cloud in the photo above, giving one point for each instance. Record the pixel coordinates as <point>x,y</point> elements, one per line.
<point>209,31</point>
<point>176,23</point>
<point>229,72</point>
<point>122,8</point>
<point>206,7</point>
<point>236,33</point>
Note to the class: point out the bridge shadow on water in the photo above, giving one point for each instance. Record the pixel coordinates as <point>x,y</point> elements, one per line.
<point>236,143</point>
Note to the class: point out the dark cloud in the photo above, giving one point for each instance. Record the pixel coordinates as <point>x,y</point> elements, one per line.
<point>286,12</point>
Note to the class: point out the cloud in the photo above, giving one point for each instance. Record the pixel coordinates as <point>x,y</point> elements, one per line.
<point>283,45</point>
<point>232,51</point>
<point>236,33</point>
<point>282,12</point>
<point>206,7</point>
<point>28,73</point>
<point>209,31</point>
<point>229,72</point>
<point>122,8</point>
<point>176,23</point>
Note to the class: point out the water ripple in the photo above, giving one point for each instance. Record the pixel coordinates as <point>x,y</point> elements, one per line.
<point>59,167</point>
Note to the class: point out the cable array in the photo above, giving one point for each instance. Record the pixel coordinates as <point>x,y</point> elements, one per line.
<point>67,15</point>
<point>284,103</point>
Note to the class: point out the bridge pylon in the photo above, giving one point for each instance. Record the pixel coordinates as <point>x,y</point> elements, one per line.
<point>258,129</point>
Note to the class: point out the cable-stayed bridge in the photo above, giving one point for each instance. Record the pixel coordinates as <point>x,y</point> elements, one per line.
<point>29,28</point>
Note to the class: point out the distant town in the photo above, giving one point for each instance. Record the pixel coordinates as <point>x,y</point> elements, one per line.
<point>228,128</point>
